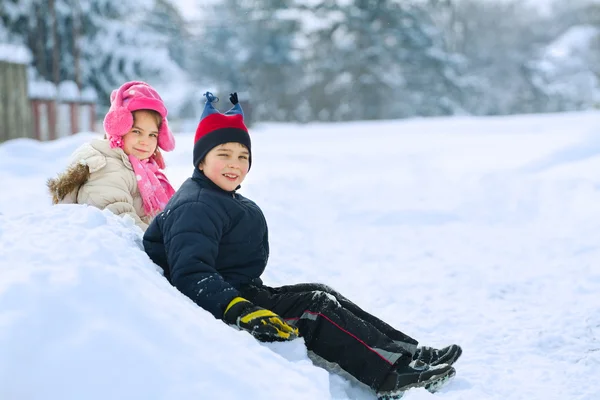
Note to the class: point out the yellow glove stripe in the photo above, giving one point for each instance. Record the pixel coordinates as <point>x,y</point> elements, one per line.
<point>285,335</point>
<point>278,324</point>
<point>257,314</point>
<point>234,302</point>
<point>283,327</point>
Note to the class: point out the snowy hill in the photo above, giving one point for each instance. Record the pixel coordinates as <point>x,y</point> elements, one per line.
<point>479,231</point>
<point>86,315</point>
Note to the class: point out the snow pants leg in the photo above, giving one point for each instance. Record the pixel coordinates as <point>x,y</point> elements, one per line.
<point>336,329</point>
<point>407,342</point>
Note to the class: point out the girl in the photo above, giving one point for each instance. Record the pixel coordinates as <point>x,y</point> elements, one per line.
<point>213,245</point>
<point>121,172</point>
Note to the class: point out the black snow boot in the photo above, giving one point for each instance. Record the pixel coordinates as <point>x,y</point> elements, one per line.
<point>416,375</point>
<point>429,355</point>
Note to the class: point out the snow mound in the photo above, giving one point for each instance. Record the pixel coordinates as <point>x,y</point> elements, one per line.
<point>85,314</point>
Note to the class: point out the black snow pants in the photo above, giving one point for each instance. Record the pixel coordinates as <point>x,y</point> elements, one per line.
<point>337,330</point>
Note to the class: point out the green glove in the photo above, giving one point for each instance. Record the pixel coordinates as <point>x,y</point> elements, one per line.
<point>263,324</point>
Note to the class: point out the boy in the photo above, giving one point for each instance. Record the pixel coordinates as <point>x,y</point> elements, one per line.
<point>213,246</point>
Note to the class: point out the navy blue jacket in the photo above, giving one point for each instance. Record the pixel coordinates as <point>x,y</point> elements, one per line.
<point>209,242</point>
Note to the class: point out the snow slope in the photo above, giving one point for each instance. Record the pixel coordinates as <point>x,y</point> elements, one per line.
<point>479,231</point>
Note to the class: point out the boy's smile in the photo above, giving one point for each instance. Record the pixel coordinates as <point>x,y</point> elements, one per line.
<point>226,165</point>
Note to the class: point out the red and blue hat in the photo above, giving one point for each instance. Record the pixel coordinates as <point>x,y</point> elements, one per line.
<point>216,128</point>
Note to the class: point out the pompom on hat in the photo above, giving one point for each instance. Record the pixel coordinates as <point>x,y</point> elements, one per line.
<point>216,128</point>
<point>133,96</point>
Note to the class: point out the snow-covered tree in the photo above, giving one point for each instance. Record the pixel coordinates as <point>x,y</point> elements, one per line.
<point>119,45</point>
<point>377,59</point>
<point>567,70</point>
<point>498,40</point>
<point>100,43</point>
<point>330,60</point>
<point>249,47</point>
<point>324,60</point>
<point>165,19</point>
<point>4,36</point>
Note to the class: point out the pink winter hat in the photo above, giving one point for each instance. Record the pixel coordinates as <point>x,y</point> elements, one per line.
<point>132,96</point>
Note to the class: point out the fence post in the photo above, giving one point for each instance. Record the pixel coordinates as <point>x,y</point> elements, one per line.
<point>23,106</point>
<point>3,102</point>
<point>52,120</point>
<point>74,118</point>
<point>35,112</point>
<point>15,110</point>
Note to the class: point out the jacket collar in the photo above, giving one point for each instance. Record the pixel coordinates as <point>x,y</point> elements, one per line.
<point>103,146</point>
<point>199,177</point>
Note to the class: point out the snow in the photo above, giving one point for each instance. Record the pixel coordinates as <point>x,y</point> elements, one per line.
<point>15,54</point>
<point>101,322</point>
<point>568,67</point>
<point>477,231</point>
<point>192,10</point>
<point>88,94</point>
<point>39,88</point>
<point>575,41</point>
<point>68,91</point>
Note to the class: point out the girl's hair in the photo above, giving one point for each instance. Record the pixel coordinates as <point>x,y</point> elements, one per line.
<point>157,117</point>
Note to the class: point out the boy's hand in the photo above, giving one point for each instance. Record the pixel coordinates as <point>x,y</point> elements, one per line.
<point>233,98</point>
<point>263,324</point>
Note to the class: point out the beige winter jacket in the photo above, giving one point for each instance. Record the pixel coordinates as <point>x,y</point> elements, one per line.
<point>101,177</point>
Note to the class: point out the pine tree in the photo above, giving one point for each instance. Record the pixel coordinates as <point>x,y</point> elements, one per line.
<point>497,40</point>
<point>165,19</point>
<point>118,45</point>
<point>374,59</point>
<point>115,41</point>
<point>567,71</point>
<point>249,47</point>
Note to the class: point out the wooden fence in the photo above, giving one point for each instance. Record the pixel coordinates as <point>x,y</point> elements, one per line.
<point>27,112</point>
<point>53,120</point>
<point>15,110</point>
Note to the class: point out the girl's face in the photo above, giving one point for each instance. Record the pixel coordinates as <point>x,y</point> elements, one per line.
<point>226,165</point>
<point>142,139</point>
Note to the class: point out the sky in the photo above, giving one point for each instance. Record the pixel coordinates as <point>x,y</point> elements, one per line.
<point>477,231</point>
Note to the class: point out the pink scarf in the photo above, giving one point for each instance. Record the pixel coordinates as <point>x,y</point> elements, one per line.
<point>153,185</point>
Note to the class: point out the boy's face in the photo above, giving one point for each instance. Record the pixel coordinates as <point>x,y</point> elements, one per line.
<point>142,138</point>
<point>226,165</point>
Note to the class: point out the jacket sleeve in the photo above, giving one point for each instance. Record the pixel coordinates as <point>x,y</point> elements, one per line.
<point>192,233</point>
<point>110,191</point>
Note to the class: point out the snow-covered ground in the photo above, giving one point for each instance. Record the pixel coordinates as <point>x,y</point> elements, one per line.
<point>478,231</point>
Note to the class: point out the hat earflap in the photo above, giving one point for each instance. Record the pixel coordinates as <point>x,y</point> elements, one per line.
<point>119,120</point>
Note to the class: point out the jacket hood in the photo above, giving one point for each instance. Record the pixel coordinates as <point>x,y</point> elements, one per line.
<point>68,181</point>
<point>87,159</point>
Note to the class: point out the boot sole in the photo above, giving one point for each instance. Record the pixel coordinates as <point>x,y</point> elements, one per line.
<point>436,384</point>
<point>432,385</point>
